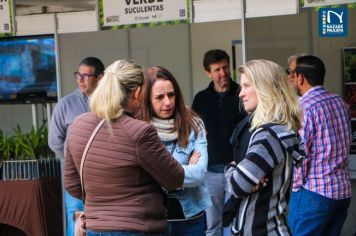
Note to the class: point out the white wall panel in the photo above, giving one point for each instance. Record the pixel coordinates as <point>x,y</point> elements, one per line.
<point>68,22</point>
<point>35,24</point>
<point>219,10</point>
<point>71,22</point>
<point>261,8</point>
<point>213,10</point>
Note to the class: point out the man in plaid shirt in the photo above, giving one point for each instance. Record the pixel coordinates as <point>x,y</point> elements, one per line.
<point>321,187</point>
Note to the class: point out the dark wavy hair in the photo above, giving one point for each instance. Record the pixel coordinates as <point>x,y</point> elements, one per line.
<point>214,56</point>
<point>185,119</point>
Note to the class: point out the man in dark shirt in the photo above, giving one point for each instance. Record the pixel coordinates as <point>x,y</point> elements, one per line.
<point>219,107</point>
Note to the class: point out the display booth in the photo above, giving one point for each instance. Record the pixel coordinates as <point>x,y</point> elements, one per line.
<point>31,207</point>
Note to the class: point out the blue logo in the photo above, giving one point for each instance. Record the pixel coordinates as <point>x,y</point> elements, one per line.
<point>333,22</point>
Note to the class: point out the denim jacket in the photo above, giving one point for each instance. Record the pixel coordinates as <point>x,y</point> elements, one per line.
<point>195,196</point>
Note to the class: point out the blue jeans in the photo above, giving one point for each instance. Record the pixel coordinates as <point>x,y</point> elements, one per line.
<point>313,214</point>
<point>71,204</point>
<point>193,227</point>
<point>216,184</point>
<point>120,233</point>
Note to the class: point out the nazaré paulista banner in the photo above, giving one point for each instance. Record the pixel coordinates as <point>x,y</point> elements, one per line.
<point>126,12</point>
<point>333,22</point>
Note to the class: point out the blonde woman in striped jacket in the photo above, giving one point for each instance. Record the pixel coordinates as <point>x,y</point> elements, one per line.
<point>262,180</point>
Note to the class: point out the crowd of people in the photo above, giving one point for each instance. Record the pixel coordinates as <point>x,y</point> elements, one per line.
<point>267,156</point>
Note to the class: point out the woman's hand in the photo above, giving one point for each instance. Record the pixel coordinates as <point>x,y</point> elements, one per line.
<point>194,158</point>
<point>261,185</point>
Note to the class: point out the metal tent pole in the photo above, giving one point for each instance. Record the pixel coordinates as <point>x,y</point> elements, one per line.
<point>243,31</point>
<point>34,116</point>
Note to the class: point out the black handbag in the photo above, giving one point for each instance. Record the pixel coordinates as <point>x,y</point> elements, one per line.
<point>231,209</point>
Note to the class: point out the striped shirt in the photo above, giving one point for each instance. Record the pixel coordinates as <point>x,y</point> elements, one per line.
<point>326,134</point>
<point>263,212</point>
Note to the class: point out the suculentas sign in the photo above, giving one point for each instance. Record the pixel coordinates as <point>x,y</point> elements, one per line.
<point>333,22</point>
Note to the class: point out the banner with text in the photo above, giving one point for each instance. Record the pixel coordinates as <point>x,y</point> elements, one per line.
<point>315,3</point>
<point>126,12</point>
<point>5,18</point>
<point>333,22</point>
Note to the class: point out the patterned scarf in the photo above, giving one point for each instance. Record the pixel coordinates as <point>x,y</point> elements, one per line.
<point>165,129</point>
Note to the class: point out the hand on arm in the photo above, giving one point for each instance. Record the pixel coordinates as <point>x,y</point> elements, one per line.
<point>261,185</point>
<point>194,158</point>
<point>250,174</point>
<point>258,186</point>
<point>195,173</point>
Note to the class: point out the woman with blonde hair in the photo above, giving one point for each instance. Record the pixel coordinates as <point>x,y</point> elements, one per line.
<point>261,181</point>
<point>126,163</point>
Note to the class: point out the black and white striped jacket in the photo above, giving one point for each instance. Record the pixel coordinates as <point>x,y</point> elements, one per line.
<point>271,153</point>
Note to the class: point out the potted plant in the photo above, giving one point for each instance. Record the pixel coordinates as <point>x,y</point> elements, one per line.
<point>26,156</point>
<point>6,149</point>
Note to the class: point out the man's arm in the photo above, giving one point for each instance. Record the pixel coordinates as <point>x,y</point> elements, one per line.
<point>72,182</point>
<point>57,132</point>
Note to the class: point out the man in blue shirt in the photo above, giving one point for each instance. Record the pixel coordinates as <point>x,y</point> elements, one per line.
<point>89,73</point>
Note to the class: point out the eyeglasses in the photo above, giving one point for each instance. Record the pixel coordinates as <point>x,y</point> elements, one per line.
<point>290,71</point>
<point>85,77</point>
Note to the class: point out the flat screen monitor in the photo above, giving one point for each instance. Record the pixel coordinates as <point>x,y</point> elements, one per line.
<point>28,72</point>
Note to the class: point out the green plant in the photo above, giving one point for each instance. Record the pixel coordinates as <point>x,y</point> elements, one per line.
<point>25,146</point>
<point>6,147</point>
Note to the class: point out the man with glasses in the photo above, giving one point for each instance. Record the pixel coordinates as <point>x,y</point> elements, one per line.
<point>321,192</point>
<point>89,73</point>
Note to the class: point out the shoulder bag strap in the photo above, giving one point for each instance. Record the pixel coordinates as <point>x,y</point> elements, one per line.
<point>85,153</point>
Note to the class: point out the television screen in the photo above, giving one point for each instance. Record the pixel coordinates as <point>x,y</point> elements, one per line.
<point>28,71</point>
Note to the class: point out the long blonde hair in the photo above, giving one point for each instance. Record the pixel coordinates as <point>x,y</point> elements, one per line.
<point>120,79</point>
<point>277,100</point>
